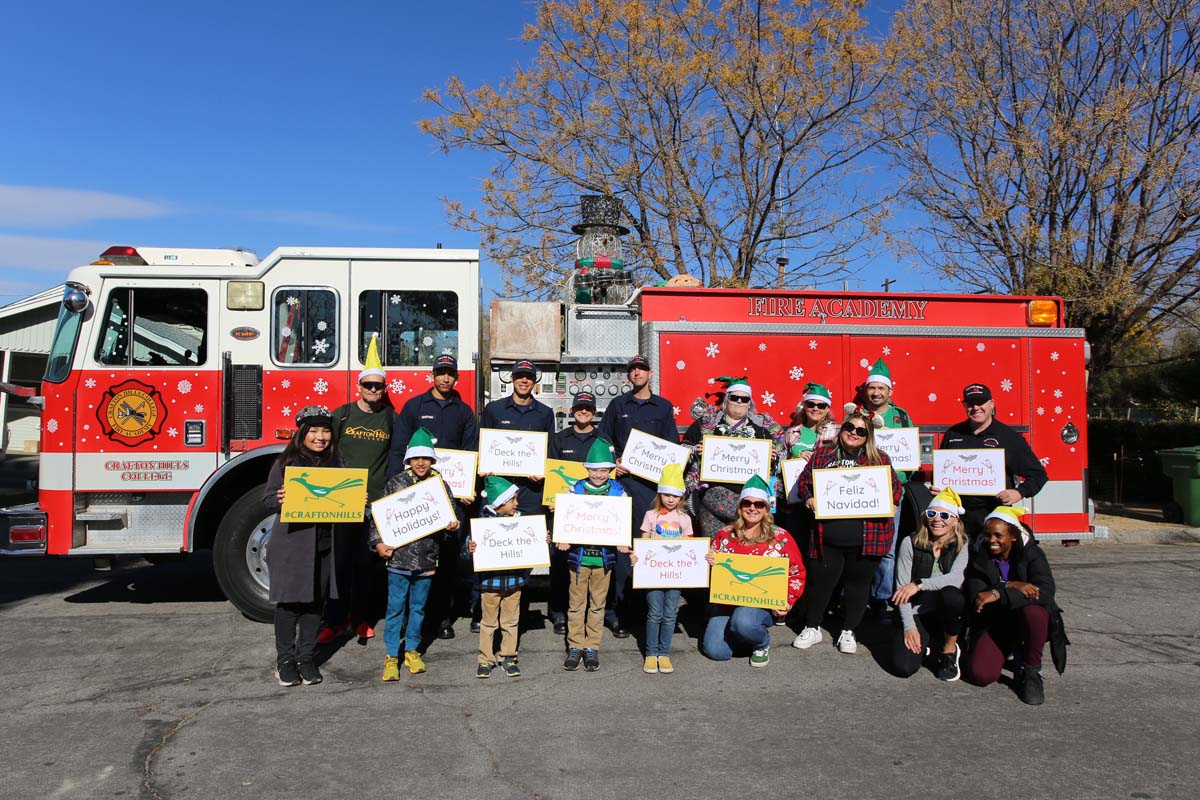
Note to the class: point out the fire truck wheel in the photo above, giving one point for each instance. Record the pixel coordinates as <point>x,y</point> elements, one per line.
<point>239,555</point>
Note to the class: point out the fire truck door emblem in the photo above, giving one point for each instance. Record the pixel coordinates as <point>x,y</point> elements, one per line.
<point>131,412</point>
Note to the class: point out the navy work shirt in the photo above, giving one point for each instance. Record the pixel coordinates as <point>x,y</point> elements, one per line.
<point>571,445</point>
<point>451,422</point>
<point>654,415</point>
<point>506,414</point>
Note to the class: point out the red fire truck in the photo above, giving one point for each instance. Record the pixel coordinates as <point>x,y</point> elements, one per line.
<point>174,375</point>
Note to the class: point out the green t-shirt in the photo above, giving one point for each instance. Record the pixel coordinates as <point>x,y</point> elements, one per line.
<point>806,443</point>
<point>897,417</point>
<point>365,443</point>
<point>592,555</point>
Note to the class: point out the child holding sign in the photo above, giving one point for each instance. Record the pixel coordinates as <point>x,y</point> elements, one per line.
<point>499,592</point>
<point>301,554</point>
<point>665,521</point>
<point>590,568</point>
<point>410,567</point>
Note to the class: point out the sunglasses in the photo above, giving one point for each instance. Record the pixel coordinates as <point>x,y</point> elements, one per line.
<point>855,429</point>
<point>759,504</point>
<point>738,398</point>
<point>374,387</point>
<point>943,515</point>
<point>810,404</point>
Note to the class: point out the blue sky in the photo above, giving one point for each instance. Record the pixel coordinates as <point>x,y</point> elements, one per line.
<point>257,124</point>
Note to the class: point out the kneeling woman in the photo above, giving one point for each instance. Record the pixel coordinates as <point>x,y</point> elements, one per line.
<point>930,566</point>
<point>753,533</point>
<point>1011,591</point>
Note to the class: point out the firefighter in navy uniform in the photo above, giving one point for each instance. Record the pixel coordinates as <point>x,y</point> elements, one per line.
<point>1025,474</point>
<point>521,411</point>
<point>442,412</point>
<point>569,444</point>
<point>645,411</point>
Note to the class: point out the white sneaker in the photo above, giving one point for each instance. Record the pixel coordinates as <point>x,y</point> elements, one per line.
<point>847,644</point>
<point>807,638</point>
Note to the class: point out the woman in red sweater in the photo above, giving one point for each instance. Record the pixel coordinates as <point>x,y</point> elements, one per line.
<point>753,533</point>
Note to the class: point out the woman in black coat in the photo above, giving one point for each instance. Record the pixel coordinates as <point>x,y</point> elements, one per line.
<point>1010,588</point>
<point>300,556</point>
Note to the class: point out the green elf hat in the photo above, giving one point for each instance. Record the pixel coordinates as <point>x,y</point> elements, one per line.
<point>671,481</point>
<point>600,455</point>
<point>816,393</point>
<point>1010,514</point>
<point>880,374</point>
<point>755,489</point>
<point>739,386</point>
<point>947,500</point>
<point>498,491</point>
<point>421,446</point>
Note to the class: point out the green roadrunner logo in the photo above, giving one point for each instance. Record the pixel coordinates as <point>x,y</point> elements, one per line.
<point>316,492</point>
<point>749,579</point>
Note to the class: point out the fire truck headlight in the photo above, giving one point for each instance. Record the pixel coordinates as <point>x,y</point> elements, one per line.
<point>75,300</point>
<point>1070,434</point>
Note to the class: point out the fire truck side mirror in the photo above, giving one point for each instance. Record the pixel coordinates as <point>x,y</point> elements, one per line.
<point>75,300</point>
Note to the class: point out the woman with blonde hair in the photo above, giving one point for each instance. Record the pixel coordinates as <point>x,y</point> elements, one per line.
<point>754,533</point>
<point>845,549</point>
<point>930,567</point>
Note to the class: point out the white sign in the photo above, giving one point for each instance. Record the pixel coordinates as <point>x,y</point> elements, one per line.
<point>903,446</point>
<point>457,468</point>
<point>510,543</point>
<point>670,563</point>
<point>412,513</point>
<point>792,468</point>
<point>646,455</point>
<point>853,492</point>
<point>593,519</point>
<point>978,472</point>
<point>512,452</point>
<point>728,459</point>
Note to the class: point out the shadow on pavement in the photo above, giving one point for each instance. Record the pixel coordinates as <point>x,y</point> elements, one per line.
<point>189,580</point>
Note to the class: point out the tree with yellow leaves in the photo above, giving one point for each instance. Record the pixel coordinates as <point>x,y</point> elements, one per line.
<point>1055,147</point>
<point>731,132</point>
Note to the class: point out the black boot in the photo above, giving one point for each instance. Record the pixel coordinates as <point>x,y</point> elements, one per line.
<point>1030,688</point>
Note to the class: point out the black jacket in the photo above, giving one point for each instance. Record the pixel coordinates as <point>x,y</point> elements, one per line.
<point>1019,458</point>
<point>1027,563</point>
<point>451,421</point>
<point>421,555</point>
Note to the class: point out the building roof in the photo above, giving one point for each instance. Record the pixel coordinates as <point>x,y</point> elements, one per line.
<point>49,297</point>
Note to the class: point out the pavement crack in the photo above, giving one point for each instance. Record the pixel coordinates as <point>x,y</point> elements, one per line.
<point>159,732</point>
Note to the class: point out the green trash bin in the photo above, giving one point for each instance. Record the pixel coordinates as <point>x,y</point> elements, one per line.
<point>1182,466</point>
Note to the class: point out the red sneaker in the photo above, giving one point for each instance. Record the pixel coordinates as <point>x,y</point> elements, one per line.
<point>326,635</point>
<point>365,631</point>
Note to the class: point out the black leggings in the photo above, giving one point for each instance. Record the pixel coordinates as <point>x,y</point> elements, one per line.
<point>941,611</point>
<point>303,616</point>
<point>854,569</point>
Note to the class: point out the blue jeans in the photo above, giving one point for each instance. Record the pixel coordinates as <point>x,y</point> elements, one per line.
<point>884,584</point>
<point>406,596</point>
<point>746,627</point>
<point>661,608</point>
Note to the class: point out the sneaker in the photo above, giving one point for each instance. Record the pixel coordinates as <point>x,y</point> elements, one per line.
<point>779,622</point>
<point>326,635</point>
<point>364,631</point>
<point>391,669</point>
<point>1030,688</point>
<point>474,626</point>
<point>947,666</point>
<point>414,662</point>
<point>446,632</point>
<point>650,666</point>
<point>760,657</point>
<point>574,655</point>
<point>484,670</point>
<point>309,673</point>
<point>591,659</point>
<point>510,667</point>
<point>807,638</point>
<point>286,673</point>
<point>665,666</point>
<point>847,644</point>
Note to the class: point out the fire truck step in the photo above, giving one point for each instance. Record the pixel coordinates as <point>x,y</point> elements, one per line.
<point>131,549</point>
<point>103,516</point>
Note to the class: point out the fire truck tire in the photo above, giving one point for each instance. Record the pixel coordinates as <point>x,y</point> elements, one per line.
<point>239,555</point>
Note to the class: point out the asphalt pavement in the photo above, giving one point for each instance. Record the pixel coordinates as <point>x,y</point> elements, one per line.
<point>143,683</point>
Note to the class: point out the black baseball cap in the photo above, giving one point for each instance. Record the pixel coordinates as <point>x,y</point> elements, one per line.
<point>446,363</point>
<point>524,367</point>
<point>637,362</point>
<point>977,393</point>
<point>584,400</point>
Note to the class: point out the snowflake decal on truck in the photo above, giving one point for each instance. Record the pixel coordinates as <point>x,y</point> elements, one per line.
<point>768,399</point>
<point>887,351</point>
<point>1006,385</point>
<point>321,386</point>
<point>681,365</point>
<point>199,407</point>
<point>712,350</point>
<point>90,383</point>
<point>762,347</point>
<point>286,410</point>
<point>1054,356</point>
<point>320,346</point>
<point>172,432</point>
<point>796,373</point>
<point>285,384</point>
<point>52,425</point>
<point>812,344</point>
<point>396,386</point>
<point>184,386</point>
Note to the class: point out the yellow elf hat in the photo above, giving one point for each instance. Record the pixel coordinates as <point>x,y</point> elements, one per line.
<point>671,481</point>
<point>947,500</point>
<point>1010,514</point>
<point>374,367</point>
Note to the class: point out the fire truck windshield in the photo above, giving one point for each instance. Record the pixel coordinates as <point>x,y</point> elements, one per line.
<point>66,334</point>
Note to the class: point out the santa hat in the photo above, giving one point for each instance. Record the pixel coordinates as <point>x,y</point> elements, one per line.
<point>880,373</point>
<point>497,491</point>
<point>671,481</point>
<point>374,367</point>
<point>755,489</point>
<point>421,446</point>
<point>947,500</point>
<point>599,455</point>
<point>739,386</point>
